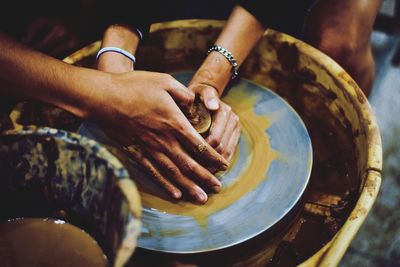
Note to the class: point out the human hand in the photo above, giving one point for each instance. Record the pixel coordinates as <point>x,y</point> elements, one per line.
<point>51,36</point>
<point>225,128</point>
<point>143,105</point>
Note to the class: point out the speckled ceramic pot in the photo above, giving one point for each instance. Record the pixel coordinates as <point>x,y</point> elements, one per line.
<point>47,172</point>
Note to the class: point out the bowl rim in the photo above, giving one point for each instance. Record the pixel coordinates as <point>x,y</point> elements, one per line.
<point>123,181</point>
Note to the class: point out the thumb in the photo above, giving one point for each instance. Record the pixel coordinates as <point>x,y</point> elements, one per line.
<point>210,98</point>
<point>180,93</point>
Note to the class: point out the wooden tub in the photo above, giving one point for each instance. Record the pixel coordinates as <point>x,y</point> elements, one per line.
<point>347,165</point>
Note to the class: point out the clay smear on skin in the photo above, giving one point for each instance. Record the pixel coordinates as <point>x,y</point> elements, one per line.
<point>261,155</point>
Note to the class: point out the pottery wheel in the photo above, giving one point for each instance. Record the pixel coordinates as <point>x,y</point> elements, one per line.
<point>269,174</point>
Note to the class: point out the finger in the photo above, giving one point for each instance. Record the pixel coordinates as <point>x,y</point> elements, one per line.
<point>51,39</point>
<point>65,47</point>
<point>194,170</point>
<point>137,154</point>
<point>186,164</point>
<point>220,121</point>
<point>178,91</point>
<point>227,133</point>
<point>210,98</point>
<point>175,174</point>
<point>233,142</point>
<point>38,27</point>
<point>196,144</point>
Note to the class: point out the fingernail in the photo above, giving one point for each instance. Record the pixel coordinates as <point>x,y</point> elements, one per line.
<point>213,104</point>
<point>201,197</point>
<point>217,182</point>
<point>224,165</point>
<point>177,194</point>
<point>216,188</point>
<point>212,169</point>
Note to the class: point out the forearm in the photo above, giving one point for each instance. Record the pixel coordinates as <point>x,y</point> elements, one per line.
<point>122,37</point>
<point>240,34</point>
<point>29,74</point>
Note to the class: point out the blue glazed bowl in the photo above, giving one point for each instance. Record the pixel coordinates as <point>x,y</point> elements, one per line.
<point>45,172</point>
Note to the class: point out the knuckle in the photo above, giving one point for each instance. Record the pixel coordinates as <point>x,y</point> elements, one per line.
<point>184,163</point>
<point>207,177</point>
<point>164,183</point>
<point>167,78</point>
<point>192,191</point>
<point>220,148</point>
<point>176,125</point>
<point>213,140</point>
<point>236,119</point>
<point>172,169</point>
<point>228,108</point>
<point>188,100</point>
<point>195,88</point>
<point>153,172</point>
<point>188,167</point>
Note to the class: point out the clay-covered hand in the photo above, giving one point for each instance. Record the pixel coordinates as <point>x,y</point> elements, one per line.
<point>225,128</point>
<point>145,106</point>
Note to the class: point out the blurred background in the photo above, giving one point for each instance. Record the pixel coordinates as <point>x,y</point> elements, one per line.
<point>378,241</point>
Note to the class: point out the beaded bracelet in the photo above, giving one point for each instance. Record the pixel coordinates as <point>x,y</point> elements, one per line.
<point>117,50</point>
<point>228,55</point>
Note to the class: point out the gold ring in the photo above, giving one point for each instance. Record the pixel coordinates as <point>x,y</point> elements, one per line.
<point>134,150</point>
<point>202,147</point>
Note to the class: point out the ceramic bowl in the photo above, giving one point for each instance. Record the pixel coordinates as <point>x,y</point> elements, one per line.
<point>47,172</point>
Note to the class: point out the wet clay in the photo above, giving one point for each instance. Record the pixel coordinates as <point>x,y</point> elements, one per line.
<point>46,242</point>
<point>259,159</point>
<point>199,116</point>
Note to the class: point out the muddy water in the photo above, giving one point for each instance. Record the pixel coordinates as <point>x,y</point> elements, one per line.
<point>45,242</point>
<point>260,157</point>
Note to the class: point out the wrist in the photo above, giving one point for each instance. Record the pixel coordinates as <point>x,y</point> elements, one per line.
<point>121,36</point>
<point>120,43</point>
<point>86,93</point>
<point>215,71</point>
<point>114,62</point>
<point>229,57</point>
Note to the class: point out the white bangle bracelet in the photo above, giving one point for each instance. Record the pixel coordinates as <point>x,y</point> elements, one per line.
<point>117,50</point>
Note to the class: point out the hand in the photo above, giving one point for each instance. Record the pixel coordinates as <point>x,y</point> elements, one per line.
<point>225,128</point>
<point>163,139</point>
<point>143,105</point>
<point>51,36</point>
